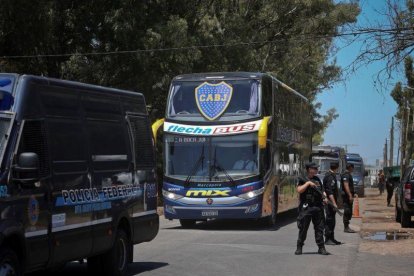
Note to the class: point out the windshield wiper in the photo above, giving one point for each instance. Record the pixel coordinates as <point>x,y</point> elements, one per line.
<point>216,165</point>
<point>195,167</point>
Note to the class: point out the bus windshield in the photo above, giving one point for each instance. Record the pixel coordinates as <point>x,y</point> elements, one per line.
<point>244,100</point>
<point>209,159</point>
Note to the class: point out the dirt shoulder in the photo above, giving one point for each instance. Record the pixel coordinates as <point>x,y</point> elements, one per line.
<point>380,233</point>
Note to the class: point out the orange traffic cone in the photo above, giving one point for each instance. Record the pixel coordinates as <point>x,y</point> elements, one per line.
<point>355,212</point>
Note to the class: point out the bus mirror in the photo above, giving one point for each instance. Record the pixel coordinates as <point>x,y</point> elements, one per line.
<point>155,126</point>
<point>366,173</point>
<point>263,132</point>
<point>27,169</point>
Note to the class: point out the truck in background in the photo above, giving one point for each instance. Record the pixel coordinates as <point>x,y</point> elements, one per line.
<point>359,172</point>
<point>323,156</point>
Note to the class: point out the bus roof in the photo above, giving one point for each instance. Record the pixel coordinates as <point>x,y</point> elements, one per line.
<point>234,76</point>
<point>219,75</point>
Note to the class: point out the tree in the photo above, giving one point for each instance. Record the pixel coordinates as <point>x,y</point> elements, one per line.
<point>141,45</point>
<point>393,41</point>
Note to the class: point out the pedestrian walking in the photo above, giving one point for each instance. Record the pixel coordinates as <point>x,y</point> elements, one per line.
<point>330,184</point>
<point>348,193</point>
<point>389,183</point>
<point>310,191</point>
<point>381,181</point>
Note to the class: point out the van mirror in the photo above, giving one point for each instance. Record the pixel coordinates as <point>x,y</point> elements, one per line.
<point>26,170</point>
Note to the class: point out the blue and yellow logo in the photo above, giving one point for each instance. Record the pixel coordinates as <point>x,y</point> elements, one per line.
<point>213,99</point>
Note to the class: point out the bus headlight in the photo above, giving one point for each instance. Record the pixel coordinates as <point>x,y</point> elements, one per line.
<point>252,194</point>
<point>170,195</point>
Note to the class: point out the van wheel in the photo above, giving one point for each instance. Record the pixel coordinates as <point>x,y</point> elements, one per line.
<point>115,261</point>
<point>397,214</point>
<point>9,263</point>
<point>405,218</point>
<point>187,223</point>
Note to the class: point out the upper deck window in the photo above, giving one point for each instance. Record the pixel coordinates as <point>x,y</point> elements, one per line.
<point>217,99</point>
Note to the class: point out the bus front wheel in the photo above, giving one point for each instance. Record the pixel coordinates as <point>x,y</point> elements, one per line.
<point>187,223</point>
<point>271,220</point>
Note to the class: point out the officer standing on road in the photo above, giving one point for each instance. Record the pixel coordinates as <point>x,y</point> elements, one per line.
<point>330,185</point>
<point>311,208</point>
<point>348,193</point>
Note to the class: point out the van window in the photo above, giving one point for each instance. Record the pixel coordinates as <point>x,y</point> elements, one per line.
<point>33,139</point>
<point>68,145</point>
<point>142,141</point>
<point>108,142</point>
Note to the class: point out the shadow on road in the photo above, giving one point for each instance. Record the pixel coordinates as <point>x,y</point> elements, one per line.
<point>75,268</point>
<point>282,220</point>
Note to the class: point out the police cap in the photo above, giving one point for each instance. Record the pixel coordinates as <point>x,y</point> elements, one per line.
<point>311,165</point>
<point>349,165</point>
<point>334,165</point>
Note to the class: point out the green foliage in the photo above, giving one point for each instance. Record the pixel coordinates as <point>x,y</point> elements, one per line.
<point>290,38</point>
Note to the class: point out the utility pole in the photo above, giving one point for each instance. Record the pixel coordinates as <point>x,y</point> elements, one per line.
<point>385,154</point>
<point>392,143</point>
<point>403,138</point>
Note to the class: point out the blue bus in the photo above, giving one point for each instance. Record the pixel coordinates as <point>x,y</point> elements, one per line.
<point>234,144</point>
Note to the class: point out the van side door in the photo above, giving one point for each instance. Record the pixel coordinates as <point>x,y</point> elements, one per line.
<point>72,196</point>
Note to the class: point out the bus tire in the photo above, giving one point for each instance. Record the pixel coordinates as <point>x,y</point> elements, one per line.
<point>271,220</point>
<point>9,263</point>
<point>187,223</point>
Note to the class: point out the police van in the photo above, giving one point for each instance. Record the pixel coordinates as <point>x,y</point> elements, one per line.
<point>77,175</point>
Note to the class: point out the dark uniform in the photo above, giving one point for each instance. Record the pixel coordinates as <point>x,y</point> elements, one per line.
<point>311,209</point>
<point>330,185</point>
<point>348,205</point>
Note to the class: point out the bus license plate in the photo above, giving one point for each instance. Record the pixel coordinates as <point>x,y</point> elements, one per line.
<point>209,213</point>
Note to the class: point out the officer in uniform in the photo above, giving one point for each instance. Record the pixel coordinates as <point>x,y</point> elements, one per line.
<point>310,192</point>
<point>348,193</point>
<point>330,185</point>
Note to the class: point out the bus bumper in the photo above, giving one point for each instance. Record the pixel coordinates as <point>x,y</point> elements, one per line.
<point>248,210</point>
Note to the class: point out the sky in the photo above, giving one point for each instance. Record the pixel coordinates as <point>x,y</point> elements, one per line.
<point>365,113</point>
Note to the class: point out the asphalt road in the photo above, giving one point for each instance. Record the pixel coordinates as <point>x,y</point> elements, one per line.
<point>245,247</point>
<point>241,248</point>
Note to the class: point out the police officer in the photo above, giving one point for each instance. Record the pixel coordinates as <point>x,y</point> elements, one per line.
<point>330,185</point>
<point>348,193</point>
<point>310,192</point>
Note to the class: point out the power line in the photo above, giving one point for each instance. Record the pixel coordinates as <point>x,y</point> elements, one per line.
<point>223,45</point>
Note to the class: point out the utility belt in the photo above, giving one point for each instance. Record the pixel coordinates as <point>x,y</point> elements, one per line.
<point>311,201</point>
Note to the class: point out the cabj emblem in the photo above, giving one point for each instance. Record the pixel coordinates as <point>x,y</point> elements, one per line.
<point>213,99</point>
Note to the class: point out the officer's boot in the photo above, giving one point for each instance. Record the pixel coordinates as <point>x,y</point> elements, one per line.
<point>299,249</point>
<point>322,250</point>
<point>348,230</point>
<point>329,240</point>
<point>335,241</point>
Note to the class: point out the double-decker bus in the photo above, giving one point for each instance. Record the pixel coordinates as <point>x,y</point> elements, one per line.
<point>234,144</point>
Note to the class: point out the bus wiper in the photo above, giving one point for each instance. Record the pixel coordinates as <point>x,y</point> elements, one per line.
<point>216,165</point>
<point>195,167</point>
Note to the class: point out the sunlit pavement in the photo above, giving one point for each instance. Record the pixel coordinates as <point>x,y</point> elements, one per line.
<point>248,248</point>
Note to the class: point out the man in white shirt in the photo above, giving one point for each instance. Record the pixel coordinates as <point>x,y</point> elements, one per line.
<point>245,163</point>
